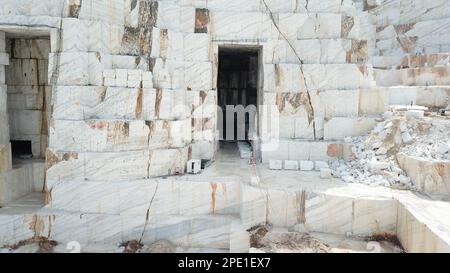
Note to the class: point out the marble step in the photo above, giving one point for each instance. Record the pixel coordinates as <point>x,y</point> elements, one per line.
<point>411,60</point>
<point>183,196</point>
<point>291,149</point>
<point>422,76</point>
<point>429,96</point>
<point>88,229</point>
<point>351,209</point>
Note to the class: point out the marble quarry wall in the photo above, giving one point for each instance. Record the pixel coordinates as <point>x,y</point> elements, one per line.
<point>117,95</point>
<point>411,56</point>
<point>134,83</point>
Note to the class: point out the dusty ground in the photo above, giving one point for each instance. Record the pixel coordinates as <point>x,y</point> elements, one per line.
<point>265,240</point>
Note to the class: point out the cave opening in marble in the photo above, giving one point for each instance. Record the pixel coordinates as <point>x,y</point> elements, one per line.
<point>238,89</point>
<point>28,104</point>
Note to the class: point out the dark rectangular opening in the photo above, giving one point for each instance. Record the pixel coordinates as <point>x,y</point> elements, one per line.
<point>237,85</point>
<point>21,149</point>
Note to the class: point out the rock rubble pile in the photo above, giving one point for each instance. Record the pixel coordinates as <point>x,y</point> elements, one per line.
<point>374,155</point>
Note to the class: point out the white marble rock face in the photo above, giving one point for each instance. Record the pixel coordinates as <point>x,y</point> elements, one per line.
<point>121,119</point>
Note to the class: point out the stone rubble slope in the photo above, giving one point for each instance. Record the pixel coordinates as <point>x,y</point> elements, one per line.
<point>374,155</point>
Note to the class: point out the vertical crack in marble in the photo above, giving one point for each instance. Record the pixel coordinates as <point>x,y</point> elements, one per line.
<point>311,115</point>
<point>147,216</point>
<point>53,83</point>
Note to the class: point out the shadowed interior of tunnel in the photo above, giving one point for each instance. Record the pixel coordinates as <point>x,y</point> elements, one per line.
<point>237,93</point>
<point>28,98</point>
<point>28,95</point>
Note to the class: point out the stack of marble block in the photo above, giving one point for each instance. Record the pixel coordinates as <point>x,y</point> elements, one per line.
<point>131,78</point>
<point>412,53</point>
<point>303,165</point>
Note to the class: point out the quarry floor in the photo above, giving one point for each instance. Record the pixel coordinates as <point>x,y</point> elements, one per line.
<point>434,214</point>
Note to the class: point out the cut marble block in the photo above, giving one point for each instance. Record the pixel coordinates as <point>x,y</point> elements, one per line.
<point>414,61</point>
<point>275,164</point>
<point>299,150</point>
<point>168,16</point>
<point>253,206</point>
<point>238,6</point>
<point>310,26</point>
<point>313,51</point>
<point>240,25</point>
<point>337,103</point>
<point>187,19</point>
<point>329,214</point>
<point>165,104</point>
<point>134,75</point>
<point>167,162</point>
<point>147,76</point>
<point>133,84</point>
<point>196,47</point>
<point>65,166</point>
<point>73,68</point>
<point>169,134</point>
<point>129,62</point>
<point>422,76</point>
<point>111,197</point>
<point>339,128</point>
<point>210,197</point>
<point>198,75</point>
<point>306,165</point>
<point>97,63</point>
<point>373,101</point>
<point>197,231</point>
<point>202,103</point>
<point>186,231</point>
<point>294,119</point>
<point>91,102</point>
<point>374,216</point>
<point>285,77</point>
<point>147,79</point>
<point>168,74</point>
<point>291,165</point>
<point>307,150</point>
<point>109,82</point>
<point>109,73</point>
<point>147,84</point>
<point>98,135</point>
<point>419,234</point>
<point>429,176</point>
<point>429,96</point>
<point>285,208</point>
<point>74,38</point>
